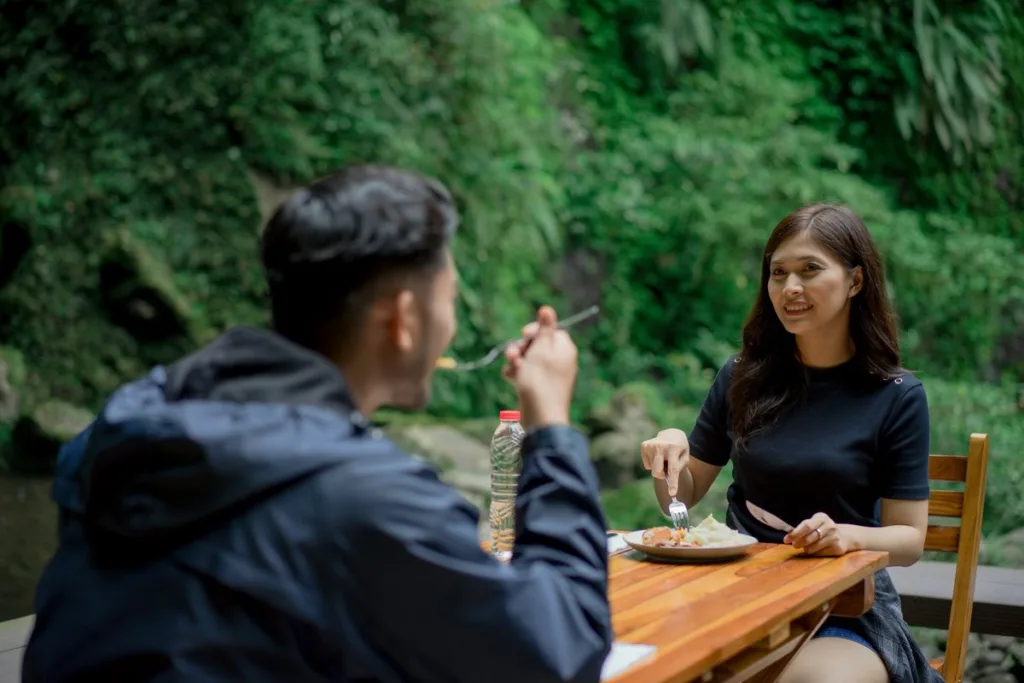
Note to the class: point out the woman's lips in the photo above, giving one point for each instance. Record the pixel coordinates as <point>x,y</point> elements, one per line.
<point>796,310</point>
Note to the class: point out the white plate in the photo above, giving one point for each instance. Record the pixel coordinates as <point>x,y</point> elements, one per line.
<point>711,554</point>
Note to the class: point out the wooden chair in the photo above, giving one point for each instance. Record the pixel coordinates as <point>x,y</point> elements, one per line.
<point>964,540</point>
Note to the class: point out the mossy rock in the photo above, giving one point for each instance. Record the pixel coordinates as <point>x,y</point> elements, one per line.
<point>616,458</point>
<point>39,434</point>
<point>481,429</point>
<point>617,430</point>
<point>628,410</point>
<point>392,420</point>
<point>444,445</point>
<point>12,379</point>
<point>139,293</point>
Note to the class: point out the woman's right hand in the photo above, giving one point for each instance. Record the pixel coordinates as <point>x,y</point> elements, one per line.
<point>665,456</point>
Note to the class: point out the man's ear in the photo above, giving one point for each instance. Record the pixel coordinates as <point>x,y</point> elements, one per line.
<point>403,319</point>
<point>858,282</point>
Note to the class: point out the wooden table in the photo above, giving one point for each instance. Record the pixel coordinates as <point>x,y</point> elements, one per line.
<point>737,621</point>
<point>741,620</point>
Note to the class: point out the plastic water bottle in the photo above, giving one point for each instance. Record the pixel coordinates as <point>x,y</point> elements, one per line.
<point>506,464</point>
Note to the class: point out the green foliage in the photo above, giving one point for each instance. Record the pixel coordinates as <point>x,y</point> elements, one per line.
<point>635,506</point>
<point>119,114</point>
<point>941,65</point>
<point>659,142</point>
<point>632,507</point>
<point>941,76</point>
<point>961,78</point>
<point>685,191</point>
<point>145,119</point>
<point>957,410</point>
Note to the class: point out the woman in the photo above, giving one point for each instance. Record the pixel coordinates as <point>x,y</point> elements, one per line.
<point>826,432</point>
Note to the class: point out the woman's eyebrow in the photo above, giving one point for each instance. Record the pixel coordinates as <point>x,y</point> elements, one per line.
<point>802,259</point>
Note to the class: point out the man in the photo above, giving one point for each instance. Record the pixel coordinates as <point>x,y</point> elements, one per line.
<point>234,517</point>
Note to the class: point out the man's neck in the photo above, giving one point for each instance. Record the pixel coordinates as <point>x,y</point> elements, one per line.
<point>368,392</point>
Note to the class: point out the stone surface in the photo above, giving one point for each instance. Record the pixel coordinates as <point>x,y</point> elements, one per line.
<point>446,447</point>
<point>990,659</point>
<point>474,485</point>
<point>618,429</point>
<point>139,292</point>
<point>616,457</point>
<point>12,371</point>
<point>59,421</point>
<point>39,434</point>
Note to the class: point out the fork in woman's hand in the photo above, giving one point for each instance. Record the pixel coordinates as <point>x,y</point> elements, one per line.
<point>678,512</point>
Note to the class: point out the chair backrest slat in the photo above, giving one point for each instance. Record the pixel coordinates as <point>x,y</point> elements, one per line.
<point>947,468</point>
<point>964,540</point>
<point>942,539</point>
<point>946,504</point>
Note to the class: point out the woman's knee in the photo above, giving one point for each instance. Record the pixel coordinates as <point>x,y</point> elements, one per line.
<point>835,660</point>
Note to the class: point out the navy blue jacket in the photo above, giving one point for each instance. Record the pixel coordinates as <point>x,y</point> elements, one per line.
<point>232,517</point>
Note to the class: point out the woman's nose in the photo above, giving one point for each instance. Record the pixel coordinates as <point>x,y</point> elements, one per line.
<point>793,286</point>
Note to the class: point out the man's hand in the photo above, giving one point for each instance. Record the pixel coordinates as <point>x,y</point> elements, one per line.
<point>543,369</point>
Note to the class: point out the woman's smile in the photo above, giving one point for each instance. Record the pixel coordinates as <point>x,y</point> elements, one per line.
<point>797,309</point>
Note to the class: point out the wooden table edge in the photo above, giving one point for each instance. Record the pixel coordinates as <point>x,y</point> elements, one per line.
<point>642,670</point>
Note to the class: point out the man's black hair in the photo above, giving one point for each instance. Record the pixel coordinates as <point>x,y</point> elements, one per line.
<point>330,245</point>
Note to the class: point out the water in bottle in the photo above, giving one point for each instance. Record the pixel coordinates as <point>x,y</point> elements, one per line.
<point>506,464</point>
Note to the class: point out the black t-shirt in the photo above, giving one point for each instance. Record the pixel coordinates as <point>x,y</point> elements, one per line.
<point>852,442</point>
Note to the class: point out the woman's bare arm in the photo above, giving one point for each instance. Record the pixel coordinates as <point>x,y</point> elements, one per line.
<point>904,525</point>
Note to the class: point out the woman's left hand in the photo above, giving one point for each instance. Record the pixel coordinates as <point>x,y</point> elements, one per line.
<point>819,535</point>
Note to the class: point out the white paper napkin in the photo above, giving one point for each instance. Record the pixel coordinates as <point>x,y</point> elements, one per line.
<point>616,544</point>
<point>624,656</point>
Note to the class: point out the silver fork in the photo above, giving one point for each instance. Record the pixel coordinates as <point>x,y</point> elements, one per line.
<point>678,513</point>
<point>492,355</point>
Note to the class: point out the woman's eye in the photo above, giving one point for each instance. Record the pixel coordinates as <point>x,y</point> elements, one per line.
<point>812,266</point>
<point>778,272</point>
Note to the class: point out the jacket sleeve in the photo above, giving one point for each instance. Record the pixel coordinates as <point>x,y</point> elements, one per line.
<point>434,606</point>
<point>66,490</point>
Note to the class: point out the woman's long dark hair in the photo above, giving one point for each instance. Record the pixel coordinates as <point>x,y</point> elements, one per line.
<point>768,375</point>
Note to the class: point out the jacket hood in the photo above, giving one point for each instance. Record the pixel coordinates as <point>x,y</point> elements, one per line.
<point>187,445</point>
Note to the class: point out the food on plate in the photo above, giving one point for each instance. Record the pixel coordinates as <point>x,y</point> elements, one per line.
<point>708,534</point>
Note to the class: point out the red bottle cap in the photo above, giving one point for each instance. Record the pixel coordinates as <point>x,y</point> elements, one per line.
<point>509,416</point>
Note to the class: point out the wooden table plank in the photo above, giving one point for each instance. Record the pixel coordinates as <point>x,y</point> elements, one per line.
<point>700,616</point>
<point>765,663</point>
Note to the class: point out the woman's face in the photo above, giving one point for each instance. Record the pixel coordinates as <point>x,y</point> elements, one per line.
<point>809,288</point>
